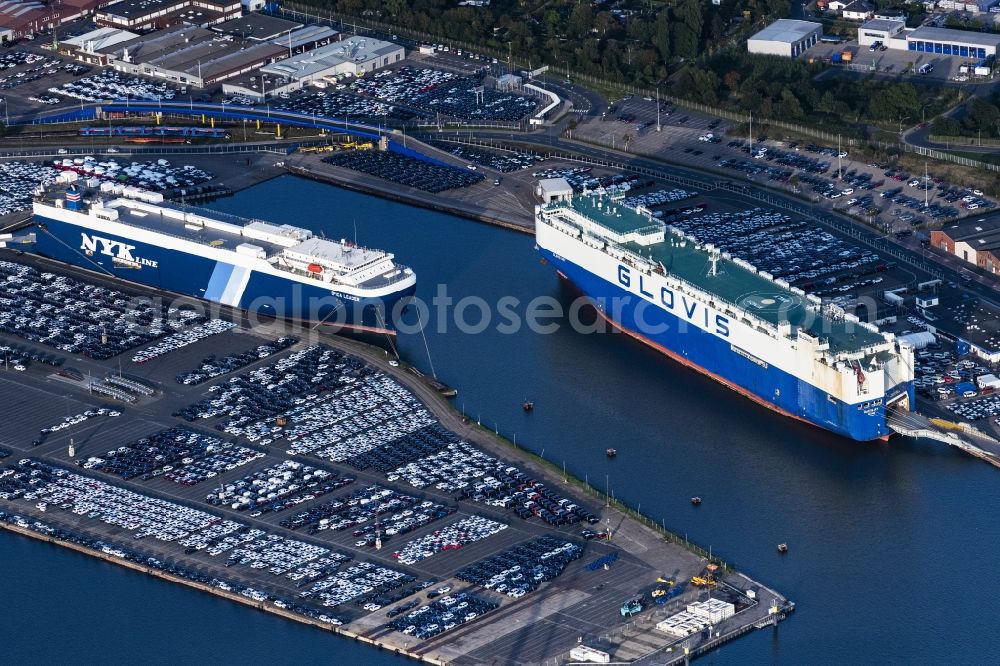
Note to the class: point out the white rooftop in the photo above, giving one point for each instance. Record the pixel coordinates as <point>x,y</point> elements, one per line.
<point>555,185</point>
<point>336,254</point>
<point>310,63</point>
<point>101,38</point>
<point>955,36</point>
<point>787,30</point>
<point>883,25</point>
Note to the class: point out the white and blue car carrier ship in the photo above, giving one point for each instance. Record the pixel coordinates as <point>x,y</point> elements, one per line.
<point>273,270</point>
<point>717,314</point>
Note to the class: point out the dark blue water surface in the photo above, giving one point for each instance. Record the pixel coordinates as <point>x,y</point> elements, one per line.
<point>890,544</point>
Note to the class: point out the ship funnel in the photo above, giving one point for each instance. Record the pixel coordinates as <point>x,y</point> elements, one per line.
<point>73,198</point>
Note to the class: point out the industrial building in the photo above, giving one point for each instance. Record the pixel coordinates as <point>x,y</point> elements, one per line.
<point>786,37</point>
<point>23,18</point>
<point>976,242</point>
<point>144,15</point>
<point>20,19</point>
<point>945,41</point>
<point>937,41</point>
<point>258,27</point>
<point>884,32</point>
<point>351,57</point>
<point>191,56</point>
<point>95,47</point>
<point>307,38</point>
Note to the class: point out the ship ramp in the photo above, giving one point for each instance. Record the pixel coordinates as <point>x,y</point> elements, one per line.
<point>960,435</point>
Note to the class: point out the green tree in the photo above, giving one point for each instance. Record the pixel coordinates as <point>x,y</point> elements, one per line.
<point>661,35</point>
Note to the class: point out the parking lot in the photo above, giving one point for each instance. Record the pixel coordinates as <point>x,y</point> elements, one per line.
<point>27,74</point>
<point>160,491</point>
<point>891,63</point>
<point>888,197</point>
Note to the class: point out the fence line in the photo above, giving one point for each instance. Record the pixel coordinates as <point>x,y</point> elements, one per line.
<point>964,140</point>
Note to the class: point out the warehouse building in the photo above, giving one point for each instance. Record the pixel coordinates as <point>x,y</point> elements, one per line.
<point>144,15</point>
<point>307,38</point>
<point>258,27</point>
<point>95,47</point>
<point>351,57</point>
<point>191,56</point>
<point>890,33</point>
<point>786,37</point>
<point>944,41</point>
<point>974,242</point>
<point>22,18</point>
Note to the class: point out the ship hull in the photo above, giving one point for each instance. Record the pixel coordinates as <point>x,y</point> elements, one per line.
<point>217,280</point>
<point>709,354</point>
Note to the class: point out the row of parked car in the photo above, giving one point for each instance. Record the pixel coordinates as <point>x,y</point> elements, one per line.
<point>364,579</point>
<point>504,162</point>
<point>182,339</point>
<point>112,85</point>
<point>71,420</point>
<point>771,241</point>
<point>18,182</point>
<point>195,457</point>
<point>374,512</point>
<point>142,557</point>
<point>249,399</point>
<point>212,367</point>
<point>470,473</point>
<point>405,170</point>
<point>79,317</point>
<point>41,69</point>
<point>450,94</point>
<point>135,513</point>
<point>443,614</point>
<point>450,537</point>
<point>277,487</point>
<point>521,569</point>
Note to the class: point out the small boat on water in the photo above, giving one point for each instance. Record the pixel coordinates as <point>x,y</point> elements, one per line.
<point>782,548</point>
<point>611,453</point>
<point>528,406</point>
<point>696,501</point>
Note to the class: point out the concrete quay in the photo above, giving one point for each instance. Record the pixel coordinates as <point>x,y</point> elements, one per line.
<point>579,606</point>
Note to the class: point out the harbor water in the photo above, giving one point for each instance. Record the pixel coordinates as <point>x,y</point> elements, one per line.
<point>886,540</point>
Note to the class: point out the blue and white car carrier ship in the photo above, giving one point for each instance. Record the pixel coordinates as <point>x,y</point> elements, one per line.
<point>276,271</point>
<point>717,314</point>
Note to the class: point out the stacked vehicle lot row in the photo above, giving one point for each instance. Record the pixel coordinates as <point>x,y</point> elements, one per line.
<point>314,401</point>
<point>81,318</point>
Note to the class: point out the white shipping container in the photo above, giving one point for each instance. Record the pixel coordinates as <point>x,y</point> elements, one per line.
<point>584,653</point>
<point>988,381</point>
